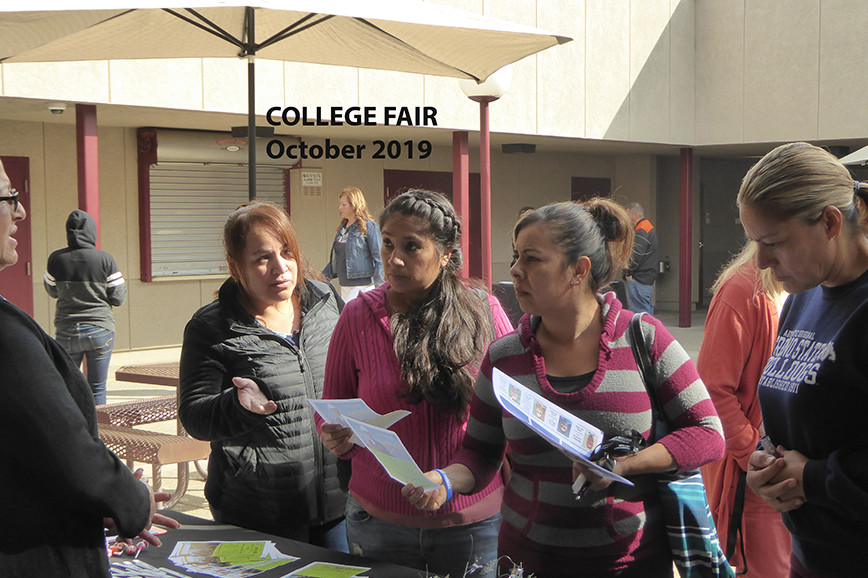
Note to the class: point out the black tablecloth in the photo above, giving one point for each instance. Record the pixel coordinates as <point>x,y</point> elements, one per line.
<point>195,529</point>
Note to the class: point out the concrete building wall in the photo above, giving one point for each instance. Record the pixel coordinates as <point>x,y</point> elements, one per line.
<point>779,71</point>
<point>664,71</point>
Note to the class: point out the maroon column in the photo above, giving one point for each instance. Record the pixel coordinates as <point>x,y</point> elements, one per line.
<point>461,193</point>
<point>685,251</point>
<point>87,150</point>
<point>485,189</point>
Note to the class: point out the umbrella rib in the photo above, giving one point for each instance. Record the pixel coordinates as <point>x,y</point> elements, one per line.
<point>295,28</point>
<point>215,30</point>
<point>414,49</point>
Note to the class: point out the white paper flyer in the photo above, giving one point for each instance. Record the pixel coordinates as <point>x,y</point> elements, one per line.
<point>337,410</point>
<point>576,437</point>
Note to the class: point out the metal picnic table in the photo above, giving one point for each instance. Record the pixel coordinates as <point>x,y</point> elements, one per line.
<point>118,431</point>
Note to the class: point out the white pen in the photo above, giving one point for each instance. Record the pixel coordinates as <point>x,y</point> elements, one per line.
<point>580,486</point>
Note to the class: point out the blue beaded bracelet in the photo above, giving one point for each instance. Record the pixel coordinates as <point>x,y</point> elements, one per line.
<point>447,484</point>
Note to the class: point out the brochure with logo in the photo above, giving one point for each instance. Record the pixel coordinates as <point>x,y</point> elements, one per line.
<point>229,559</point>
<point>576,437</point>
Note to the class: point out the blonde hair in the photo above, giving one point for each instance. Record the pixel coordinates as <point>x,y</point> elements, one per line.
<point>356,199</point>
<point>745,264</point>
<point>798,181</point>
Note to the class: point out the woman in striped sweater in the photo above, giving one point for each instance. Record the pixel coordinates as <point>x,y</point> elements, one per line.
<point>571,348</point>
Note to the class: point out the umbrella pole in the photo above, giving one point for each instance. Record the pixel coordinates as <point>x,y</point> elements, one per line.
<point>251,128</point>
<point>250,54</point>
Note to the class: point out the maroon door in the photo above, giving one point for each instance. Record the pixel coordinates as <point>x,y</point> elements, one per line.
<point>584,188</point>
<point>396,182</point>
<point>16,282</point>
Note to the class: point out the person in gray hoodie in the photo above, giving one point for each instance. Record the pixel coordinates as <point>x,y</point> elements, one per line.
<point>86,283</point>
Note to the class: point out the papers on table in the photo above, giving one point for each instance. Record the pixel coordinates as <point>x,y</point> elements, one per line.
<point>328,570</point>
<point>141,569</point>
<point>229,559</point>
<point>369,432</point>
<point>576,437</point>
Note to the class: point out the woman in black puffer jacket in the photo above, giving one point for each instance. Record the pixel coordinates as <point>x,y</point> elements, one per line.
<point>249,362</point>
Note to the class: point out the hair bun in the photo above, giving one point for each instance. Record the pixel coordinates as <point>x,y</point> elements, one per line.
<point>609,223</point>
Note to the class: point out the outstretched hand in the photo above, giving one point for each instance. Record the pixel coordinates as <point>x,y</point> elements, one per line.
<point>251,397</point>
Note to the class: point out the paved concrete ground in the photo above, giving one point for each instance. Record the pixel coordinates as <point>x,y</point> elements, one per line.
<point>194,502</point>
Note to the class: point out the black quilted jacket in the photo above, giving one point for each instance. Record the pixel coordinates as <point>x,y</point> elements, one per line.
<point>269,473</point>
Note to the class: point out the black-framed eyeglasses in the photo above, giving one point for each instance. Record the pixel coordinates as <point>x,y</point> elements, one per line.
<point>12,198</point>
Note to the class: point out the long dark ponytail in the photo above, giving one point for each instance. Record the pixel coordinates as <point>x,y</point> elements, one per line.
<point>441,344</point>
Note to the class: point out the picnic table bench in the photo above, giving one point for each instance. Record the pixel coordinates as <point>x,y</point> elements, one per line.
<point>118,431</point>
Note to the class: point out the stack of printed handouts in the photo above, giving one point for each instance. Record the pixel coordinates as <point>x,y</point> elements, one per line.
<point>369,431</point>
<point>229,559</point>
<point>576,437</point>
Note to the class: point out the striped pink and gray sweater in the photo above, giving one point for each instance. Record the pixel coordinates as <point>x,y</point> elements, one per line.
<point>608,530</point>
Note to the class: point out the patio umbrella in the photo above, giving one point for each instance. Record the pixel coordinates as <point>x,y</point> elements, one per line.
<point>859,157</point>
<point>400,35</point>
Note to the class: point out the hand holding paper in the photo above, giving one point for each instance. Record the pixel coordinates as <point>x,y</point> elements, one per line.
<point>369,431</point>
<point>392,455</point>
<point>575,437</point>
<point>335,411</point>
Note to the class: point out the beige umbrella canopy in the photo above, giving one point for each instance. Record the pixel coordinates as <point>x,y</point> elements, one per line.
<point>859,157</point>
<point>401,35</point>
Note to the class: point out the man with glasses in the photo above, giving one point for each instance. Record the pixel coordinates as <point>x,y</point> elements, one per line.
<point>8,243</point>
<point>60,484</point>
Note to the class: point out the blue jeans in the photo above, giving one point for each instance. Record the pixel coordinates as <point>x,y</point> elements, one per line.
<point>639,297</point>
<point>458,551</point>
<point>96,344</point>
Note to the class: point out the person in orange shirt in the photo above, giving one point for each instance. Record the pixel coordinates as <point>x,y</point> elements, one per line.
<point>642,272</point>
<point>740,332</point>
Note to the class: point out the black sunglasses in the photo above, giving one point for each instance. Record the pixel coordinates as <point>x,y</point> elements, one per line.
<point>12,198</point>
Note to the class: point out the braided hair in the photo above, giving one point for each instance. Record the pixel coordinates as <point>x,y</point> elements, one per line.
<point>440,345</point>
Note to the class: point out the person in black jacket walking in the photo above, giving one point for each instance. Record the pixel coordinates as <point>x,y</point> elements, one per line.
<point>86,283</point>
<point>249,362</point>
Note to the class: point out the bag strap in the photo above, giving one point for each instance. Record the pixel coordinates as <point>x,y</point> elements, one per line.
<point>734,534</point>
<point>338,299</point>
<point>646,368</point>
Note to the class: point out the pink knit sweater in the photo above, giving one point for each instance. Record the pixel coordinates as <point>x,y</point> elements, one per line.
<point>362,363</point>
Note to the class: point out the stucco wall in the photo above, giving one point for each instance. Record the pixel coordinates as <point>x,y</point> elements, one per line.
<point>779,71</point>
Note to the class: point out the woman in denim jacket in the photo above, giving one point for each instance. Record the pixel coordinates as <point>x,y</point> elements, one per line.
<point>355,254</point>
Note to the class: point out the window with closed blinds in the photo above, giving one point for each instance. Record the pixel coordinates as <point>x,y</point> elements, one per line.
<point>189,203</point>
